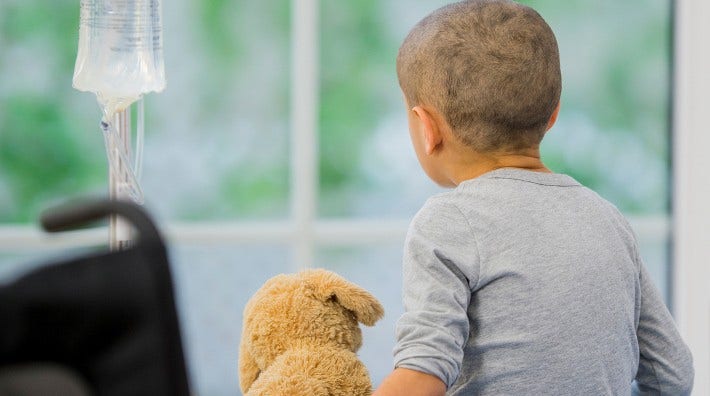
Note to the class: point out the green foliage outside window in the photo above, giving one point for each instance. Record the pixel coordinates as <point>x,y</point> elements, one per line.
<point>229,77</point>
<point>43,153</point>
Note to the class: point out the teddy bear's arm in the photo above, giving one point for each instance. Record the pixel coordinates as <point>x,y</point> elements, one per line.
<point>248,369</point>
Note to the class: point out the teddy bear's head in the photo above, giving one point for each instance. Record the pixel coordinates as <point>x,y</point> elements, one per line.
<point>313,307</point>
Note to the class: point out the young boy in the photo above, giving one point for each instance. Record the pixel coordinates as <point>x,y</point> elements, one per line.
<point>519,281</point>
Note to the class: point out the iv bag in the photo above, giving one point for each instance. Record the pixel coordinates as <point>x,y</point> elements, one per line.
<point>120,53</point>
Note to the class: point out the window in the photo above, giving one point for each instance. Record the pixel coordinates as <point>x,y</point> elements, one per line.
<point>281,142</point>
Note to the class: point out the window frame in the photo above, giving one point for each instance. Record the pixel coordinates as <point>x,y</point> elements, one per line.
<point>691,187</point>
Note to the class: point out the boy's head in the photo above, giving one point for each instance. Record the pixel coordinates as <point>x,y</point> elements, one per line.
<point>490,67</point>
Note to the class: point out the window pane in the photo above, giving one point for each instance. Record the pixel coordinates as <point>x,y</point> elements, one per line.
<point>613,132</point>
<point>15,264</point>
<point>213,283</point>
<point>216,144</point>
<point>654,245</point>
<point>367,167</point>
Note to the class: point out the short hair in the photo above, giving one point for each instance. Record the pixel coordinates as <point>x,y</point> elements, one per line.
<point>491,67</point>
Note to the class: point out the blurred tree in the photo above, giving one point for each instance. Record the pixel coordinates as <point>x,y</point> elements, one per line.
<point>42,157</point>
<point>356,87</point>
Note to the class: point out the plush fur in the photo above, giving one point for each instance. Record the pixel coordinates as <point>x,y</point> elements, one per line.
<point>300,336</point>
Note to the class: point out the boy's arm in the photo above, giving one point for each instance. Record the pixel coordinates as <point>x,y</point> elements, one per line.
<point>406,382</point>
<point>665,363</point>
<point>439,264</point>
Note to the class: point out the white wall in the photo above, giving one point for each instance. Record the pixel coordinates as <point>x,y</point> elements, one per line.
<point>692,183</point>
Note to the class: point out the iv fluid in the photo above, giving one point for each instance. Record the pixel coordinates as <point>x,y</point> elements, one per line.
<point>120,53</point>
<point>120,58</point>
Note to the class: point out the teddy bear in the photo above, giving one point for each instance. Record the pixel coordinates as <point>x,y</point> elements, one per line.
<point>300,335</point>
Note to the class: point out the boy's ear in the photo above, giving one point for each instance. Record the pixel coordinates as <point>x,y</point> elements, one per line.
<point>430,128</point>
<point>553,117</point>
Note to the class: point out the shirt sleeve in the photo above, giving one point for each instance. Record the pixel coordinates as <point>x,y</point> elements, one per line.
<point>440,268</point>
<point>665,362</point>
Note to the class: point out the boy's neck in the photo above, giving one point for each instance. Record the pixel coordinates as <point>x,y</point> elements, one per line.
<point>474,165</point>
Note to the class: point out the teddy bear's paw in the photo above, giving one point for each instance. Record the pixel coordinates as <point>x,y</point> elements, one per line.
<point>294,385</point>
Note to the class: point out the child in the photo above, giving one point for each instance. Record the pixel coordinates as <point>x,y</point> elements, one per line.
<point>519,281</point>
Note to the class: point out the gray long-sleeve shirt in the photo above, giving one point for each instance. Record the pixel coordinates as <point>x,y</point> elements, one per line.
<point>519,282</point>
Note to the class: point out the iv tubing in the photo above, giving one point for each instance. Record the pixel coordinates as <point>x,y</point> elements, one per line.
<point>119,166</point>
<point>140,132</point>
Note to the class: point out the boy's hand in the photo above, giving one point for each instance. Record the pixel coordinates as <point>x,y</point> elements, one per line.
<point>408,382</point>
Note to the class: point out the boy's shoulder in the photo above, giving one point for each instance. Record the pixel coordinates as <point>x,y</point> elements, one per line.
<point>510,193</point>
<point>508,186</point>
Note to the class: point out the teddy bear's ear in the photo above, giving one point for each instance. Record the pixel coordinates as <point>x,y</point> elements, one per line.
<point>330,286</point>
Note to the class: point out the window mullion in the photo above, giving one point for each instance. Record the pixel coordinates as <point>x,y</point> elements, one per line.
<point>304,135</point>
